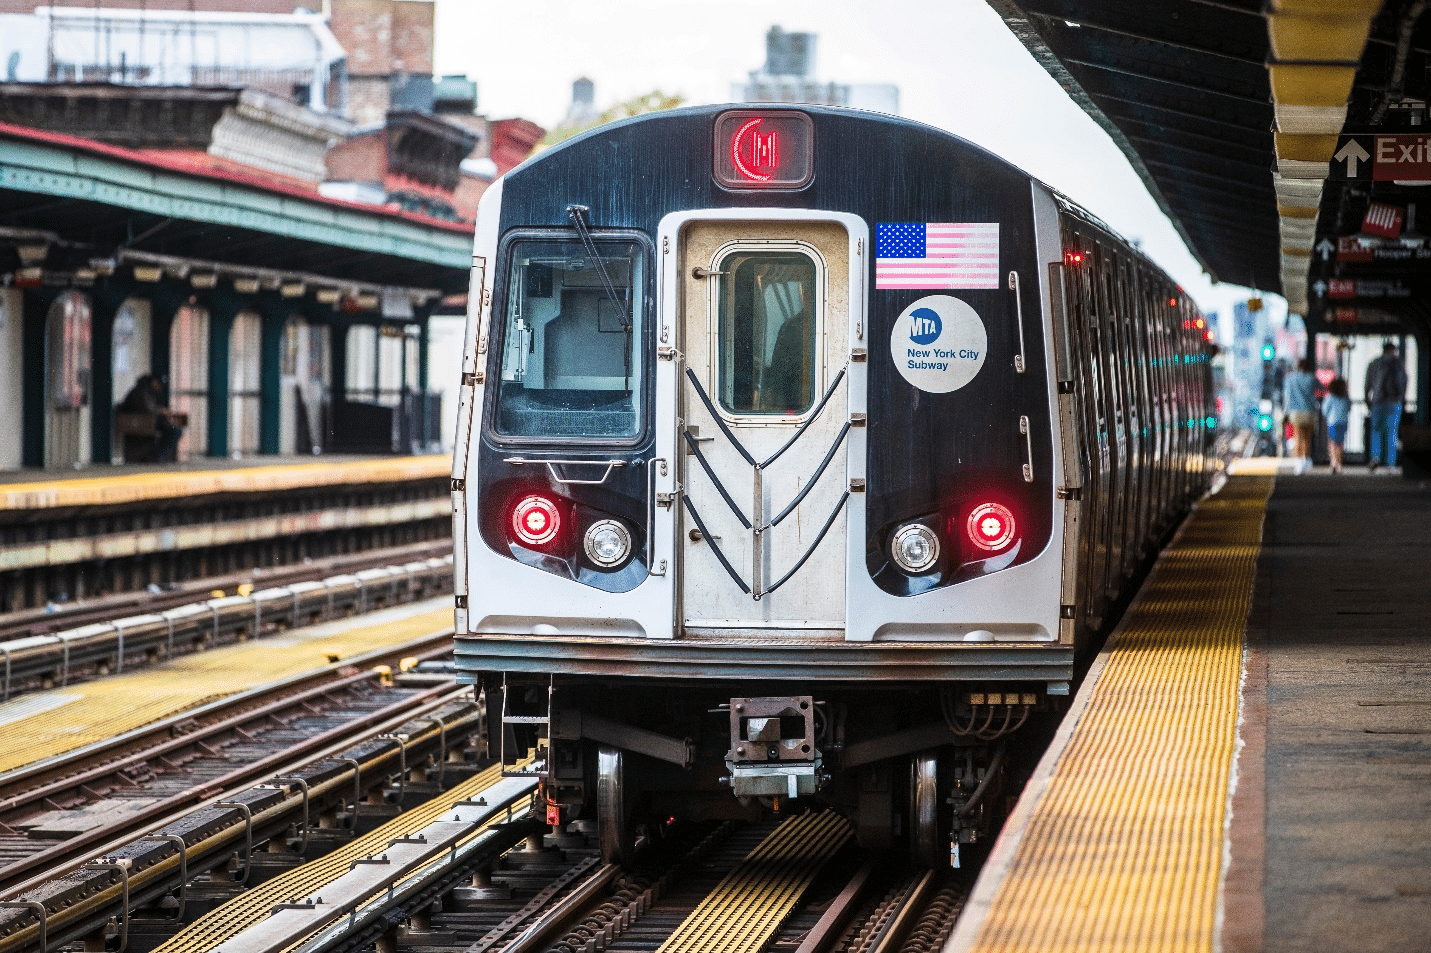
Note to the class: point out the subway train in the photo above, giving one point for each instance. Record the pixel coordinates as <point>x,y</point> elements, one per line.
<point>802,454</point>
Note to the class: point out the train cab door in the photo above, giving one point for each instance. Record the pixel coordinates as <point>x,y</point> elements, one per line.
<point>766,310</point>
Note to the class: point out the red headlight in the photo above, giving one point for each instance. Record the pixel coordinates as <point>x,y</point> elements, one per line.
<point>991,527</point>
<point>535,521</point>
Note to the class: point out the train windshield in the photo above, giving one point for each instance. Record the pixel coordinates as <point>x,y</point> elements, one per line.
<point>571,364</point>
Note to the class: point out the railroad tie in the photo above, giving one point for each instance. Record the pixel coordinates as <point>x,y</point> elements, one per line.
<point>751,903</point>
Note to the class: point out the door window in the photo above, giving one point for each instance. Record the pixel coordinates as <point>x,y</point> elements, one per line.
<point>766,341</point>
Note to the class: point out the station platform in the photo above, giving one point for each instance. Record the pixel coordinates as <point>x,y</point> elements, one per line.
<point>44,724</point>
<point>140,483</point>
<point>1247,765</point>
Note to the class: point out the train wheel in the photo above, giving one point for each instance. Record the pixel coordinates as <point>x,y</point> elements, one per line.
<point>926,847</point>
<point>611,828</point>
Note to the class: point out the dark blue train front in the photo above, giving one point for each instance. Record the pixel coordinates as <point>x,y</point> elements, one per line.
<point>775,447</point>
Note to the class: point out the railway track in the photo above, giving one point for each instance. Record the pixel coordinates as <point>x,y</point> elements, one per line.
<point>411,740</point>
<point>318,859</point>
<point>56,812</point>
<point>173,626</point>
<point>62,616</point>
<point>479,876</point>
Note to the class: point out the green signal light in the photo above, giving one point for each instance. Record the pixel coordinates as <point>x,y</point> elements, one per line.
<point>1264,422</point>
<point>1268,352</point>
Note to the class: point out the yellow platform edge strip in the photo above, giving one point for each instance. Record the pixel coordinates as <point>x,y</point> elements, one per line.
<point>138,487</point>
<point>1122,851</point>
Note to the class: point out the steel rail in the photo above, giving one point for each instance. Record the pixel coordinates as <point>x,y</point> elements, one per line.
<point>82,652</point>
<point>160,732</point>
<point>338,740</point>
<point>77,848</point>
<point>80,903</point>
<point>27,622</point>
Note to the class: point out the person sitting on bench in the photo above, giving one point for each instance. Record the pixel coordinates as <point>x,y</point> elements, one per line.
<point>146,397</point>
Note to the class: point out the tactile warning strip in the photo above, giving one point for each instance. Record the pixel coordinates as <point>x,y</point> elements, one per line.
<point>174,484</point>
<point>1123,851</point>
<point>255,904</point>
<point>750,904</point>
<point>103,708</point>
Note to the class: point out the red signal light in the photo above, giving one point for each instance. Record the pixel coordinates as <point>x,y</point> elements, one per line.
<point>535,521</point>
<point>991,527</point>
<point>1074,257</point>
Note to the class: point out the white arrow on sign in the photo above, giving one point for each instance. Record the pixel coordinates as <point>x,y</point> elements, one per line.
<point>1351,154</point>
<point>1325,248</point>
<point>1320,287</point>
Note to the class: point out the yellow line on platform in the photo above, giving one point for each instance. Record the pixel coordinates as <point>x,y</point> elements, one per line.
<point>138,487</point>
<point>1122,852</point>
<point>94,711</point>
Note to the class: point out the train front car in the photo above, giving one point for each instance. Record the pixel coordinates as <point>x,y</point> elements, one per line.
<point>758,491</point>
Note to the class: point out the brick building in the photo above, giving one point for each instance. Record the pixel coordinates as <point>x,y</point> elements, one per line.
<point>361,69</point>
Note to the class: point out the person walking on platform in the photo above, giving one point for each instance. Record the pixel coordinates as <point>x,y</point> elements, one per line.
<point>1299,401</point>
<point>1336,407</point>
<point>1385,392</point>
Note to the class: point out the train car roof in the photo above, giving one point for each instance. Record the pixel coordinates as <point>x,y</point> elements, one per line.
<point>909,126</point>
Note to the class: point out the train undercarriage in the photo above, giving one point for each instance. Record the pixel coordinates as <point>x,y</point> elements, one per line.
<point>920,769</point>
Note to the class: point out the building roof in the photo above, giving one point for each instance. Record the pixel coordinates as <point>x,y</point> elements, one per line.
<point>97,198</point>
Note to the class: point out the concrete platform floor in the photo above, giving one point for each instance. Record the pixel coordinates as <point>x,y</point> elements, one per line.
<point>1331,818</point>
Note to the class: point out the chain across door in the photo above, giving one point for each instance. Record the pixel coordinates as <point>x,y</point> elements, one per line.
<point>765,426</point>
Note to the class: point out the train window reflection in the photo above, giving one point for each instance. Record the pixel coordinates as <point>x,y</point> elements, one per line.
<point>571,364</point>
<point>766,337</point>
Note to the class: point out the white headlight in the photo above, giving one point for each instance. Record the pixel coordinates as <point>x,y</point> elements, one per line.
<point>915,547</point>
<point>607,543</point>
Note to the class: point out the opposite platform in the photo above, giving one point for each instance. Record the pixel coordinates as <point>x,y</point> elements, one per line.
<point>109,486</point>
<point>1142,831</point>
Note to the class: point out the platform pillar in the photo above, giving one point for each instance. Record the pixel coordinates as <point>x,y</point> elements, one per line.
<point>35,305</point>
<point>274,312</point>
<point>223,308</point>
<point>105,301</point>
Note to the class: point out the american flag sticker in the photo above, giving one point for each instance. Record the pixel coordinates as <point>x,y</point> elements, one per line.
<point>937,255</point>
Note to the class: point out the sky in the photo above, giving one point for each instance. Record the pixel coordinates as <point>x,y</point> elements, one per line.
<point>956,64</point>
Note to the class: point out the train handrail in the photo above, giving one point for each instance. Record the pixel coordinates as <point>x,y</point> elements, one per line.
<point>552,465</point>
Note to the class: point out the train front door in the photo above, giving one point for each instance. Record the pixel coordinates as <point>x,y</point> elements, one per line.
<point>764,401</point>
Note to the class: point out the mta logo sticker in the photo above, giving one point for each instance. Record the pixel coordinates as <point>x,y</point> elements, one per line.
<point>938,344</point>
<point>925,326</point>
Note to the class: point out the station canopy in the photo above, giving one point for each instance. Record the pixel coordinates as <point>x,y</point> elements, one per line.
<point>1287,140</point>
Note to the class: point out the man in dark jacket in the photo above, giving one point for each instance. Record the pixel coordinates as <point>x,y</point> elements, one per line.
<point>1385,392</point>
<point>147,397</point>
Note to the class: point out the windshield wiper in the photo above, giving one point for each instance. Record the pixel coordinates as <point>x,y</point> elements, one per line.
<point>577,214</point>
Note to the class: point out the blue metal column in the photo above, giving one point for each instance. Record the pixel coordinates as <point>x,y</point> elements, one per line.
<point>223,307</point>
<point>35,305</point>
<point>274,312</point>
<point>105,302</point>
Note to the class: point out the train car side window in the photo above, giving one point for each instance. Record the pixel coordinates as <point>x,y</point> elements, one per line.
<point>571,344</point>
<point>767,333</point>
